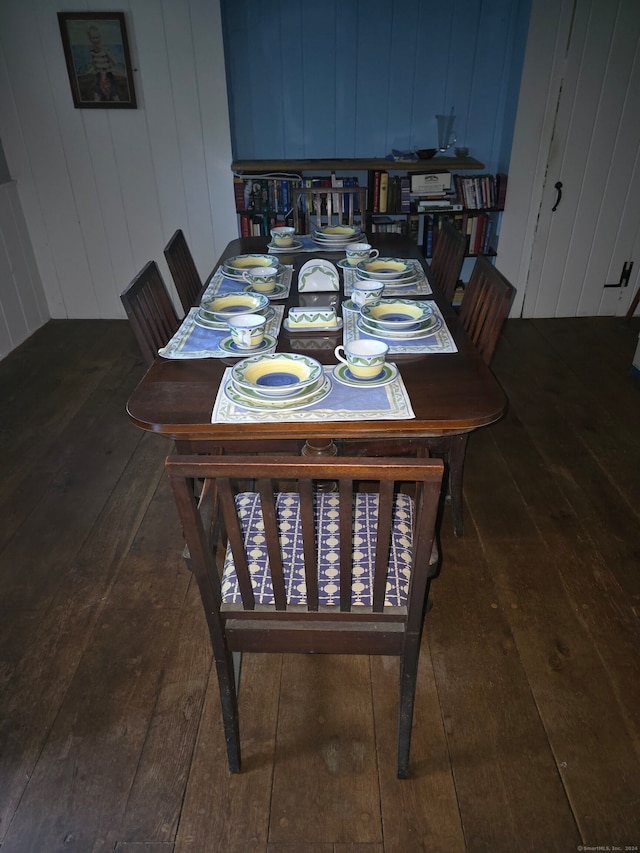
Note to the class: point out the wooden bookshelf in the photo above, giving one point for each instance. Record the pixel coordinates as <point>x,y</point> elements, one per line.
<point>435,164</point>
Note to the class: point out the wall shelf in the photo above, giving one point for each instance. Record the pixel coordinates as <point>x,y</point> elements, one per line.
<point>435,164</point>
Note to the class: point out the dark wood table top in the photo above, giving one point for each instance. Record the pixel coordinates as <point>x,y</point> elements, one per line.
<point>449,392</point>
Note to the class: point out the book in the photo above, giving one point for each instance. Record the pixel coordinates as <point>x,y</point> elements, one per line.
<point>384,192</point>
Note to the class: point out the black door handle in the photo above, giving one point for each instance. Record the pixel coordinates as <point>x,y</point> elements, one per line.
<point>558,188</point>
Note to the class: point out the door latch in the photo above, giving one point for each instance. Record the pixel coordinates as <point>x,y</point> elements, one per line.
<point>625,275</point>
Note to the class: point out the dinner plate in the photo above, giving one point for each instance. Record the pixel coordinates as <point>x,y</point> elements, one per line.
<point>342,374</point>
<point>278,291</point>
<point>261,404</point>
<point>230,346</point>
<point>430,328</point>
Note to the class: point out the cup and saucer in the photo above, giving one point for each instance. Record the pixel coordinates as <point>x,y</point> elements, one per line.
<point>231,347</point>
<point>362,363</point>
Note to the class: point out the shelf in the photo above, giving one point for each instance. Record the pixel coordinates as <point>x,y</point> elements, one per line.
<point>435,164</point>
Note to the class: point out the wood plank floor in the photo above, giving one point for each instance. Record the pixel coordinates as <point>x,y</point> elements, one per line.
<point>527,726</point>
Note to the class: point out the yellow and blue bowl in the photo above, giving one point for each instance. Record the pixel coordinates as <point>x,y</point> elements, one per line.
<point>278,374</point>
<point>389,314</point>
<point>222,308</point>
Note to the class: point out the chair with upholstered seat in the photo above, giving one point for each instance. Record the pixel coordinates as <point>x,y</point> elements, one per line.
<point>303,570</point>
<point>314,207</point>
<point>150,311</point>
<point>448,257</point>
<point>485,305</point>
<point>183,270</point>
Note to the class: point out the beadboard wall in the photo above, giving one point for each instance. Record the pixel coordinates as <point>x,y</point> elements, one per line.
<point>336,79</point>
<point>102,190</point>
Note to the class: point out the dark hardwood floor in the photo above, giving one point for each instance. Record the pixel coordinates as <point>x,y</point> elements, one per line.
<point>527,726</point>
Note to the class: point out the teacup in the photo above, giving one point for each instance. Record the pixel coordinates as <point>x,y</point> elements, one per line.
<point>283,235</point>
<point>262,279</point>
<point>247,330</point>
<point>367,292</point>
<point>358,252</point>
<point>364,358</point>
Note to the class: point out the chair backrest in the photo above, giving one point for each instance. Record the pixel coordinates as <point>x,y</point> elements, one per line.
<point>183,270</point>
<point>448,257</point>
<point>485,304</point>
<point>317,206</point>
<point>150,310</point>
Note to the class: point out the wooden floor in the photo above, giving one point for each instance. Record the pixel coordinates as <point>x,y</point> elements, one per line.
<point>527,728</point>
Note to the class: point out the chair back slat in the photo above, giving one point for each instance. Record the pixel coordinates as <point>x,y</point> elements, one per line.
<point>183,270</point>
<point>314,207</point>
<point>448,257</point>
<point>383,541</point>
<point>150,311</point>
<point>346,538</point>
<point>235,538</point>
<point>272,538</point>
<point>309,542</point>
<point>485,305</point>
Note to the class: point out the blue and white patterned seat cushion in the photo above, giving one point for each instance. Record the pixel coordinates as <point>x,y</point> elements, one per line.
<point>365,521</point>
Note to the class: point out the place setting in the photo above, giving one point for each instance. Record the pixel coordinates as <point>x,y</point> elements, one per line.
<point>284,386</point>
<point>401,276</point>
<point>263,274</point>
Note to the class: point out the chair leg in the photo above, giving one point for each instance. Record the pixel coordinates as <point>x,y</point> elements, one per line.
<point>229,703</point>
<point>408,676</point>
<point>457,453</point>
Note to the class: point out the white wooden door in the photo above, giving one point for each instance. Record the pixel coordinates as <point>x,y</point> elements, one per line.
<point>580,250</point>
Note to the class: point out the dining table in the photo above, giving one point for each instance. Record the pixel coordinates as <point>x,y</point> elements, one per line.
<point>445,389</point>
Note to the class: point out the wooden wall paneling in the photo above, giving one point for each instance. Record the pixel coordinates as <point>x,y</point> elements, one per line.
<point>348,82</point>
<point>322,72</point>
<point>374,30</point>
<point>32,297</point>
<point>235,18</point>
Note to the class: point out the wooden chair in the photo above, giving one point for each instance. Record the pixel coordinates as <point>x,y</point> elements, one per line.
<point>150,311</point>
<point>485,305</point>
<point>448,257</point>
<point>183,270</point>
<point>317,206</point>
<point>309,571</point>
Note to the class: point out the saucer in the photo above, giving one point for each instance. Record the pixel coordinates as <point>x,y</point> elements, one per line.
<point>278,291</point>
<point>228,345</point>
<point>345,265</point>
<point>342,373</point>
<point>284,249</point>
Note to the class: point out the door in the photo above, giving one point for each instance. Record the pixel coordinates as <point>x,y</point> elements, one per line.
<point>584,259</point>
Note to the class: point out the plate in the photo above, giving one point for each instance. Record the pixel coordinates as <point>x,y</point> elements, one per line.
<point>342,373</point>
<point>300,401</point>
<point>278,291</point>
<point>284,249</point>
<point>220,308</point>
<point>394,314</point>
<point>309,330</point>
<point>229,345</point>
<point>236,267</point>
<point>385,268</point>
<point>318,274</point>
<point>206,323</point>
<point>430,328</point>
<point>337,232</point>
<point>280,374</point>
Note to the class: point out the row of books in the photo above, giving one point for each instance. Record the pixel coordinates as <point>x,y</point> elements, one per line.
<point>478,229</point>
<point>388,193</point>
<point>264,194</point>
<point>260,224</point>
<point>476,192</point>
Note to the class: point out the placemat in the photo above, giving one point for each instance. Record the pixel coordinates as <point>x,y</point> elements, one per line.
<point>420,287</point>
<point>219,284</point>
<point>194,341</point>
<point>343,403</point>
<point>439,341</point>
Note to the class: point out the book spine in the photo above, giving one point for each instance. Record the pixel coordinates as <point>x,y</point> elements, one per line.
<point>238,192</point>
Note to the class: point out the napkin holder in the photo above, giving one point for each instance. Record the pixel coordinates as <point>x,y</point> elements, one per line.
<point>318,275</point>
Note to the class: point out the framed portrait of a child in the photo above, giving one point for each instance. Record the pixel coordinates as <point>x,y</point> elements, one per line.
<point>98,61</point>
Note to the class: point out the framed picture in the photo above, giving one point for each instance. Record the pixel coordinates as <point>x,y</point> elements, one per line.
<point>97,55</point>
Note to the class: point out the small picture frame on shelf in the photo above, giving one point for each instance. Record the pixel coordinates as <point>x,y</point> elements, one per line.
<point>96,51</point>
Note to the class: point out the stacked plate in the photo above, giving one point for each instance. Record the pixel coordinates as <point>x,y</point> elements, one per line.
<point>215,313</point>
<point>392,271</point>
<point>236,267</point>
<point>337,236</point>
<point>399,319</point>
<point>277,381</point>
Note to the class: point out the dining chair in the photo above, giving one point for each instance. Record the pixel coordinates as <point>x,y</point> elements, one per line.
<point>485,305</point>
<point>183,270</point>
<point>150,311</point>
<point>307,571</point>
<point>328,205</point>
<point>448,257</point>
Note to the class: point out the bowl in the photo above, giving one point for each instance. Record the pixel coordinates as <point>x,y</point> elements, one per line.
<point>383,268</point>
<point>426,153</point>
<point>223,307</point>
<point>337,232</point>
<point>278,374</point>
<point>396,313</point>
<point>237,266</point>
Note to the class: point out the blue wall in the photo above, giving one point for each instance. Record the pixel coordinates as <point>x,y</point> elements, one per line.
<point>356,78</point>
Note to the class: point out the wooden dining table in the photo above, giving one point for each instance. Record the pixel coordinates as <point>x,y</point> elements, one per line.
<point>450,393</point>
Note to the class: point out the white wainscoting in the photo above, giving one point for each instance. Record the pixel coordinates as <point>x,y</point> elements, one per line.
<point>103,190</point>
<point>23,305</point>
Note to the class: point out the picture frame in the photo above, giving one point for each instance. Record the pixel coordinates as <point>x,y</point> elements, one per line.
<point>96,51</point>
